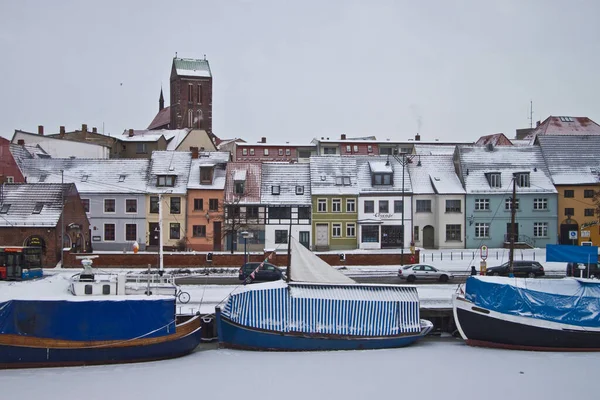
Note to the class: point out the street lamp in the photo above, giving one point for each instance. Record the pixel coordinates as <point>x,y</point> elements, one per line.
<point>245,235</point>
<point>403,159</point>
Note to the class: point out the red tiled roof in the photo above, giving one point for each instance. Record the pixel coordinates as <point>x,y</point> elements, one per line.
<point>497,139</point>
<point>565,126</point>
<point>162,119</point>
<point>252,186</point>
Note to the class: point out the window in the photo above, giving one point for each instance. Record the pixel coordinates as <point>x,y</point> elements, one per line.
<point>350,230</point>
<point>398,206</point>
<point>244,152</point>
<point>540,204</point>
<point>346,180</point>
<point>251,152</point>
<point>350,205</point>
<point>109,205</point>
<point>190,92</point>
<point>266,152</point>
<point>280,152</point>
<point>199,231</point>
<point>381,179</point>
<point>369,149</point>
<point>384,206</point>
<point>304,153</point>
<point>130,205</point>
<point>43,178</point>
<point>251,212</point>
<point>174,232</point>
<point>453,206</point>
<point>416,233</point>
<point>299,189</point>
<point>508,204</point>
<point>199,94</point>
<point>452,233</point>
<point>130,232</point>
<point>482,204</point>
<point>153,204</point>
<point>10,179</point>
<point>140,148</point>
<point>5,208</point>
<point>370,234</point>
<point>239,187</point>
<point>213,204</point>
<point>206,174</point>
<point>336,205</point>
<point>105,289</point>
<point>329,150</point>
<point>109,232</point>
<point>588,212</point>
<point>175,205</point>
<point>84,178</point>
<point>569,212</point>
<point>198,204</point>
<point>281,236</point>
<point>569,193</point>
<point>280,212</point>
<point>482,230</point>
<point>588,194</point>
<point>275,189</point>
<point>38,208</point>
<point>494,179</point>
<point>348,149</point>
<point>88,289</point>
<point>355,148</point>
<point>288,152</point>
<point>322,205</point>
<point>540,229</point>
<point>369,207</point>
<point>165,180</point>
<point>423,205</point>
<point>386,150</point>
<point>86,205</point>
<point>336,230</point>
<point>522,179</point>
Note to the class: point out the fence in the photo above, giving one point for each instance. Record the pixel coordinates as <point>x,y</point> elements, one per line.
<point>493,254</point>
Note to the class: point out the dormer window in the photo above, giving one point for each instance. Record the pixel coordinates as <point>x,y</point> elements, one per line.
<point>206,174</point>
<point>84,178</point>
<point>239,187</point>
<point>4,209</point>
<point>239,181</point>
<point>275,189</point>
<point>494,179</point>
<point>38,208</point>
<point>379,179</point>
<point>43,178</point>
<point>165,180</point>
<point>342,180</point>
<point>522,179</point>
<point>299,189</point>
<point>121,178</point>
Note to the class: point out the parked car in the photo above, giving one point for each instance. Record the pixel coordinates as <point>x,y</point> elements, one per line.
<point>420,272</point>
<point>592,272</point>
<point>268,272</point>
<point>523,268</point>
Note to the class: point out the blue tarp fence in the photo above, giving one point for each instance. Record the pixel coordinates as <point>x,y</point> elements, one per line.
<point>568,253</point>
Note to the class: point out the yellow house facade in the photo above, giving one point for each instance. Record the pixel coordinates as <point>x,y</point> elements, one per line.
<point>577,212</point>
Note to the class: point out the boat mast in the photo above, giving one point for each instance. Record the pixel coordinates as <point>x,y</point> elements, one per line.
<point>287,275</point>
<point>160,236</point>
<point>513,211</point>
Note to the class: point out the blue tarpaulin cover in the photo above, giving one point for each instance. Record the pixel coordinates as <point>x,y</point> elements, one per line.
<point>88,320</point>
<point>568,300</point>
<point>568,253</point>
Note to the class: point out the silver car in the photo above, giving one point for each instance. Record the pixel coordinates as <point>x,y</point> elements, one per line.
<point>419,272</point>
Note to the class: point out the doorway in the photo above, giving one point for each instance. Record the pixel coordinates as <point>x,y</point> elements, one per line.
<point>428,237</point>
<point>509,232</point>
<point>153,232</point>
<point>392,236</point>
<point>217,236</point>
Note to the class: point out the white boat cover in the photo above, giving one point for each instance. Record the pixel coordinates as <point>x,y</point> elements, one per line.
<point>307,267</point>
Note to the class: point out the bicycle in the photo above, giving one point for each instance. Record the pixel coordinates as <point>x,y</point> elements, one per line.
<point>182,297</point>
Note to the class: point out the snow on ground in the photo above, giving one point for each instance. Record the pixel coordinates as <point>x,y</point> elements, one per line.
<point>431,369</point>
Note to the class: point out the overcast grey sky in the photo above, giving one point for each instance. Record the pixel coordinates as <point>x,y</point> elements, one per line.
<point>295,70</point>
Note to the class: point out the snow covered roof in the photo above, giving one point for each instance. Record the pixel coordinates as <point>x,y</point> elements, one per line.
<point>90,175</point>
<point>24,151</point>
<point>192,67</point>
<point>478,161</point>
<point>497,139</point>
<point>170,163</point>
<point>434,149</point>
<point>292,180</point>
<point>174,137</point>
<point>434,175</point>
<point>572,160</point>
<point>20,203</point>
<point>333,175</point>
<point>366,166</point>
<point>216,160</point>
<point>250,173</point>
<point>565,125</point>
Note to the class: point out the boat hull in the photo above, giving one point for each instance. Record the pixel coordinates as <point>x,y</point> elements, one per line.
<point>487,328</point>
<point>37,353</point>
<point>233,335</point>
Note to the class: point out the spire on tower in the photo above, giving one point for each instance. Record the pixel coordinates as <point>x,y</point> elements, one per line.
<point>161,100</point>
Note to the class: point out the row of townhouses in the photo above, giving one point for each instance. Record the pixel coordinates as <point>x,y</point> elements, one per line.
<point>436,196</point>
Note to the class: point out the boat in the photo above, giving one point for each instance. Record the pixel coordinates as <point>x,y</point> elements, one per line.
<point>319,308</point>
<point>90,320</point>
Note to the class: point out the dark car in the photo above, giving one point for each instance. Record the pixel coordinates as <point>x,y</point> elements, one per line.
<point>268,272</point>
<point>588,271</point>
<point>530,269</point>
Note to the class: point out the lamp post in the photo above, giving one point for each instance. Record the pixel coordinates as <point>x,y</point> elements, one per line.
<point>245,235</point>
<point>403,159</point>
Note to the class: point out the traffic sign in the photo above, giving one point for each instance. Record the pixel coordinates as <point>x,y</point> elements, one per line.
<point>572,234</point>
<point>483,252</point>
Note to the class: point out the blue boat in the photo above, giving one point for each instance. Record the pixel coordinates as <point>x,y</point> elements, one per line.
<point>321,309</point>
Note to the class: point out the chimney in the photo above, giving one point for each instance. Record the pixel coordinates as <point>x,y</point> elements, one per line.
<point>263,139</point>
<point>343,136</point>
<point>84,130</point>
<point>62,131</point>
<point>21,142</point>
<point>194,151</point>
<point>537,123</point>
<point>417,137</point>
<point>131,133</point>
<point>94,130</point>
<point>41,130</point>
